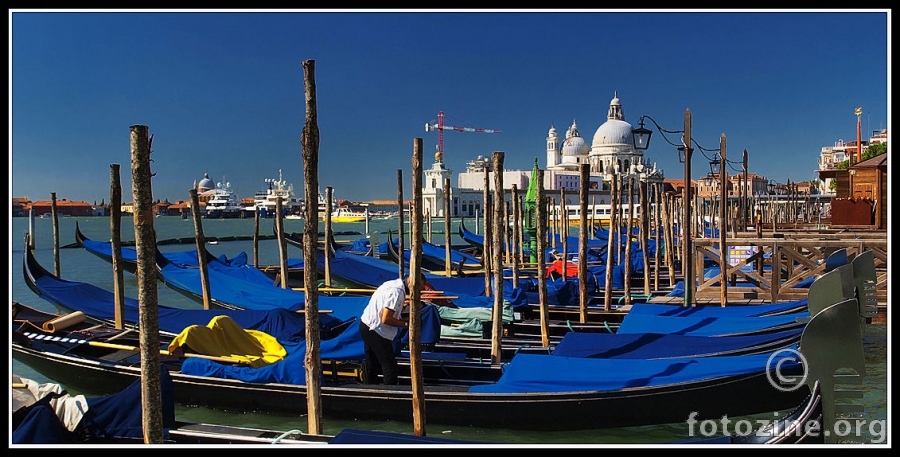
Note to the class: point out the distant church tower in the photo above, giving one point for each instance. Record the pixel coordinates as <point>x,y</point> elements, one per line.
<point>552,147</point>
<point>433,192</point>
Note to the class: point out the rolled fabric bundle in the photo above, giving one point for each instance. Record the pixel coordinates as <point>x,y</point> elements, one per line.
<point>63,322</point>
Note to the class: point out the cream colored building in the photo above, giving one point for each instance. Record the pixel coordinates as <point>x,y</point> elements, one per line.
<point>611,151</point>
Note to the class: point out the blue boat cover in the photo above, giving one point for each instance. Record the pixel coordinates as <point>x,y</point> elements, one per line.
<point>231,285</point>
<point>186,257</point>
<point>372,272</point>
<point>705,326</point>
<point>543,373</point>
<point>107,417</point>
<point>719,311</point>
<point>99,303</point>
<point>291,370</point>
<point>438,254</point>
<point>660,345</point>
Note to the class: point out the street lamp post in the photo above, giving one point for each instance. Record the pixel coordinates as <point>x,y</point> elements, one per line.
<point>745,195</point>
<point>771,188</point>
<point>688,267</point>
<point>723,225</point>
<point>642,141</point>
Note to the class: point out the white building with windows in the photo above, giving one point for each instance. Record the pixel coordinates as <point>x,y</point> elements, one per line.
<point>831,156</point>
<point>611,151</point>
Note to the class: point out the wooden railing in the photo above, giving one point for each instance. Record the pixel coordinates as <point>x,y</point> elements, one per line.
<point>795,259</point>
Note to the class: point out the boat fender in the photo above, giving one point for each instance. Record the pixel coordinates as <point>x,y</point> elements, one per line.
<point>63,322</point>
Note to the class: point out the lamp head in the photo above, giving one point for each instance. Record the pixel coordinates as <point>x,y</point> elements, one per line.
<point>641,136</point>
<point>715,165</point>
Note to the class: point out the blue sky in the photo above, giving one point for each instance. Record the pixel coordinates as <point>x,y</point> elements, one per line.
<point>223,92</point>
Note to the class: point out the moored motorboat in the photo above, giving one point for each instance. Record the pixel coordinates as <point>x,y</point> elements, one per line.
<point>223,203</point>
<point>344,214</point>
<point>265,201</point>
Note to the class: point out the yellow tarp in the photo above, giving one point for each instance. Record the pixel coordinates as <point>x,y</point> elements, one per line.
<point>223,337</point>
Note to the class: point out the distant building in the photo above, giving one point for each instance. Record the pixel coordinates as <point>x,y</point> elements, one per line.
<point>63,208</point>
<point>710,186</point>
<point>611,152</point>
<point>20,206</point>
<point>831,156</point>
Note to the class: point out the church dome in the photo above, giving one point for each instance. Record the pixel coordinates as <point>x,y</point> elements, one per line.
<point>574,144</point>
<point>615,131</point>
<point>206,183</point>
<point>611,132</point>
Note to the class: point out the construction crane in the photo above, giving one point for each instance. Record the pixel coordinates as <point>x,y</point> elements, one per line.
<point>440,127</point>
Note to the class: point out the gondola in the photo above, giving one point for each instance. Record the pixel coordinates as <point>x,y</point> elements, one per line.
<point>534,392</point>
<point>232,291</point>
<point>446,362</point>
<point>596,256</point>
<point>518,338</point>
<point>434,258</point>
<point>528,383</point>
<point>103,250</point>
<point>237,289</point>
<point>46,414</point>
<point>469,292</point>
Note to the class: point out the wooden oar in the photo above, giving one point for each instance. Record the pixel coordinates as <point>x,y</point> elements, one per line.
<point>125,347</point>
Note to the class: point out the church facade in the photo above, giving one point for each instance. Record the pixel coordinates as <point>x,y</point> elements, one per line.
<point>611,153</point>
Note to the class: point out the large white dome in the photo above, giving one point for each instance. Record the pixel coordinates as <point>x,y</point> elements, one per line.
<point>613,132</point>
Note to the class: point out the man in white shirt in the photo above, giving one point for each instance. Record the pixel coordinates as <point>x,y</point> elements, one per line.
<point>380,321</point>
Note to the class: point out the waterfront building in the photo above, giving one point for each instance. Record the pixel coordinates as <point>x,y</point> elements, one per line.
<point>611,153</point>
<point>64,208</point>
<point>831,156</point>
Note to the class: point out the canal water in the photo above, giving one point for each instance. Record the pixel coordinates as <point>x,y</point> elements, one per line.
<point>78,265</point>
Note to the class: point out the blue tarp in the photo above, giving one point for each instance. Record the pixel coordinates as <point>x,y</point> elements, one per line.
<point>719,311</point>
<point>291,370</point>
<point>108,417</point>
<point>659,345</point>
<point>286,326</point>
<point>372,272</point>
<point>438,255</point>
<point>706,326</point>
<point>283,324</point>
<point>186,257</point>
<point>541,373</point>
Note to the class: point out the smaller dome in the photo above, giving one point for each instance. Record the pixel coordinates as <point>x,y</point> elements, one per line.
<point>574,146</point>
<point>552,131</point>
<point>206,183</point>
